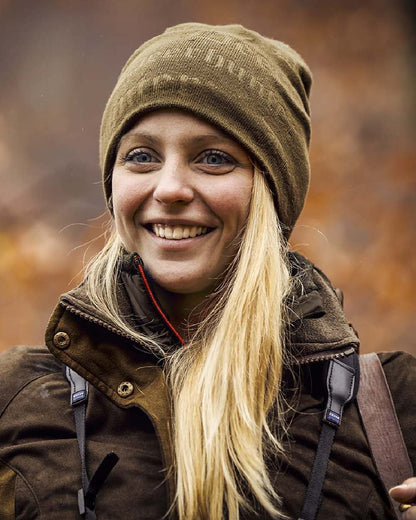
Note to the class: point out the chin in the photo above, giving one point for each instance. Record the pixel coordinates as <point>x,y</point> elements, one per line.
<point>184,286</point>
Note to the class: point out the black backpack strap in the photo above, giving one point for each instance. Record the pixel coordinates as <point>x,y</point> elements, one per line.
<point>88,493</point>
<point>342,385</point>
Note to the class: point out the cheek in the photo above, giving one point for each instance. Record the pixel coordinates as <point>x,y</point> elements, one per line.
<point>122,205</point>
<point>127,195</point>
<point>233,203</point>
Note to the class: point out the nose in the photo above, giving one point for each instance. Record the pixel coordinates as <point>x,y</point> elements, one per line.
<point>173,185</point>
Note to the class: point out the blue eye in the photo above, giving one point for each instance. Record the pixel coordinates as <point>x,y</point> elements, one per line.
<point>139,156</point>
<point>216,158</point>
<point>143,157</point>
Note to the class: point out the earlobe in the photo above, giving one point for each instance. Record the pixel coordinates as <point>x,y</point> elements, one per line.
<point>110,205</point>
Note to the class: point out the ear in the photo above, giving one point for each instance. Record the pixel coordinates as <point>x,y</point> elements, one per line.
<point>110,205</point>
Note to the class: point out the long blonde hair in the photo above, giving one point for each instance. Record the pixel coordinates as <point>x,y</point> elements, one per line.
<point>225,381</point>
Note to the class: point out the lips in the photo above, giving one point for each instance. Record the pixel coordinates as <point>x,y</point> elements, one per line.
<point>178,232</point>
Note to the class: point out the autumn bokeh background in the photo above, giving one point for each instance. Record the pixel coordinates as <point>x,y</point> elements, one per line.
<point>58,64</point>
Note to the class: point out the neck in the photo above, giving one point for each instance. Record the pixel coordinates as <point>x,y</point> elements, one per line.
<point>184,310</point>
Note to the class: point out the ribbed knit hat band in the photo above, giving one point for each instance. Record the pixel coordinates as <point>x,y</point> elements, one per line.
<point>254,88</point>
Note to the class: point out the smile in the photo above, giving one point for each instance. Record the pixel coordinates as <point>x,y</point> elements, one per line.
<point>178,232</point>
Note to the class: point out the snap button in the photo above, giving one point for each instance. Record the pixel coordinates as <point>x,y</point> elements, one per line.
<point>61,340</point>
<point>125,389</point>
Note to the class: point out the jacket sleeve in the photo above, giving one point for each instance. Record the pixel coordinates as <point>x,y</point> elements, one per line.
<point>400,370</point>
<point>19,368</point>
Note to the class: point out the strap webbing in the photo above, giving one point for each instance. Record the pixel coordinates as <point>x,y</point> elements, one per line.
<point>78,400</point>
<point>382,426</point>
<point>88,493</point>
<point>341,386</point>
<point>98,479</point>
<point>312,499</point>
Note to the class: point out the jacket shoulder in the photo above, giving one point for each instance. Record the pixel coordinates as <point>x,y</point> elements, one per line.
<point>400,370</point>
<point>21,365</point>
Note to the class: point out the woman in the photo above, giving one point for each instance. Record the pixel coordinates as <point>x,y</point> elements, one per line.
<point>195,349</point>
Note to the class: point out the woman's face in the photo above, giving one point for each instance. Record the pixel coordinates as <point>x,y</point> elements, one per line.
<point>181,194</point>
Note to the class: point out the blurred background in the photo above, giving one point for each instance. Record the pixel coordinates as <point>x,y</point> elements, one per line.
<point>58,64</point>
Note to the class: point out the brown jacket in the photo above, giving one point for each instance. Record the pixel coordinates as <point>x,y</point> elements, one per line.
<point>40,469</point>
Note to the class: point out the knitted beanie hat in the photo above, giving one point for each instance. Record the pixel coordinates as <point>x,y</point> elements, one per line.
<point>254,88</point>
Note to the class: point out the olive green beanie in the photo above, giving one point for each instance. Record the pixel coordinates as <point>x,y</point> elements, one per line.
<point>254,88</point>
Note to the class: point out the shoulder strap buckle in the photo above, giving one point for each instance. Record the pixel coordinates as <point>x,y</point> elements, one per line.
<point>79,387</point>
<point>340,384</point>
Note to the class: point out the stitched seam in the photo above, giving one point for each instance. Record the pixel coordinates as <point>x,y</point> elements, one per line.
<point>351,387</point>
<point>15,470</point>
<point>69,373</point>
<point>330,385</point>
<point>22,387</point>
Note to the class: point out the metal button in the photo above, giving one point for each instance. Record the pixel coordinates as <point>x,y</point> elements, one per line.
<point>125,389</point>
<point>404,507</point>
<point>61,340</point>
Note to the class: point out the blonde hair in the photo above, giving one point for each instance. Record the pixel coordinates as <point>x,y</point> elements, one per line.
<point>225,382</point>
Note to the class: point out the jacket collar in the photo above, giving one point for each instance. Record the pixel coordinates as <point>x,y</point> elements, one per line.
<point>318,327</point>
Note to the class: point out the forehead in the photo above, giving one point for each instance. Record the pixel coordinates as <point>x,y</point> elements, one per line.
<point>165,122</point>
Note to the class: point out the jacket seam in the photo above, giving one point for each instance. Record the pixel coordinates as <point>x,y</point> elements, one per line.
<point>27,383</point>
<point>24,479</point>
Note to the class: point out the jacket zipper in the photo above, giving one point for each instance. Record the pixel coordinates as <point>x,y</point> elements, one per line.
<point>326,357</point>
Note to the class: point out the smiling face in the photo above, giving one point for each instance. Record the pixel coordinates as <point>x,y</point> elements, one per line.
<point>181,194</point>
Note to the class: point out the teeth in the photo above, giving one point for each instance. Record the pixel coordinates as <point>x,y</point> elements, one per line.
<point>178,232</point>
